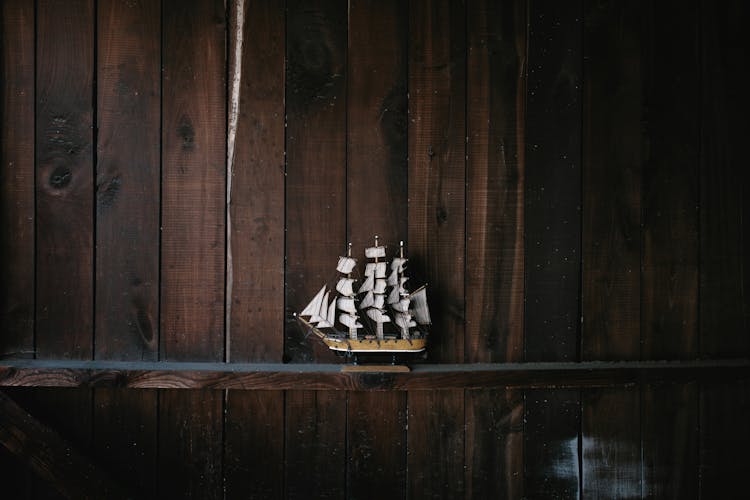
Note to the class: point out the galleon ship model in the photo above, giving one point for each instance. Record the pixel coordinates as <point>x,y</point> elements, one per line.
<point>378,316</point>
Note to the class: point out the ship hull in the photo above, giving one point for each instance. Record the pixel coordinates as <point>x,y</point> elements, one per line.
<point>370,346</point>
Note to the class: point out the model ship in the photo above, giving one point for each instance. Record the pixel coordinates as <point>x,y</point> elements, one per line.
<point>381,316</point>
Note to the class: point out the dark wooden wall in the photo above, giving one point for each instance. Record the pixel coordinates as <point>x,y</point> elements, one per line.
<point>567,176</point>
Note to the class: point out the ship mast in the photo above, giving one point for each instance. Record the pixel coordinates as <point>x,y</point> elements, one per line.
<point>345,300</point>
<point>375,285</point>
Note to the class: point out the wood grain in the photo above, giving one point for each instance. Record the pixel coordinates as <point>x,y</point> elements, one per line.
<point>254,444</point>
<point>325,376</point>
<point>494,447</point>
<point>553,181</point>
<point>611,447</point>
<point>51,457</point>
<point>724,439</point>
<point>193,241</point>
<point>612,164</point>
<point>670,423</point>
<point>669,321</point>
<point>17,215</point>
<point>190,438</point>
<point>257,188</point>
<point>376,443</point>
<point>127,180</point>
<point>315,445</point>
<point>437,148</point>
<point>552,462</point>
<point>725,203</point>
<point>495,170</point>
<point>316,160</point>
<point>64,179</point>
<point>435,448</point>
<point>377,170</point>
<point>124,437</point>
<point>193,177</point>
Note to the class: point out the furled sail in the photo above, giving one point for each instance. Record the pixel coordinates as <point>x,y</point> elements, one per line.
<point>375,252</point>
<point>346,265</point>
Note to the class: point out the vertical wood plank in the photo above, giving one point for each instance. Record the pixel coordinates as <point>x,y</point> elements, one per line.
<point>670,440</point>
<point>127,180</point>
<point>494,444</point>
<point>435,445</point>
<point>496,101</point>
<point>257,188</point>
<point>725,202</point>
<point>64,179</point>
<point>612,157</point>
<point>316,160</point>
<point>377,169</point>
<point>193,239</point>
<point>193,176</point>
<point>611,443</point>
<point>254,445</point>
<point>124,437</point>
<point>190,444</point>
<point>553,181</point>
<point>437,148</point>
<point>551,453</point>
<point>670,182</point>
<point>315,444</point>
<point>724,440</point>
<point>376,442</point>
<point>17,179</point>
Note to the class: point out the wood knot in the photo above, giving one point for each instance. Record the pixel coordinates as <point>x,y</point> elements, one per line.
<point>441,214</point>
<point>60,177</point>
<point>186,133</point>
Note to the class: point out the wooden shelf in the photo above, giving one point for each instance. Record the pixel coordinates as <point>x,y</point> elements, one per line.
<point>271,376</point>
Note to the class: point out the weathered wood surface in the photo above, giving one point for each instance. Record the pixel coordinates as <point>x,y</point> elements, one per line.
<point>255,264</point>
<point>612,167</point>
<point>495,170</point>
<point>127,180</point>
<point>64,180</point>
<point>51,457</point>
<point>17,210</point>
<point>326,376</point>
<point>437,149</point>
<point>316,160</point>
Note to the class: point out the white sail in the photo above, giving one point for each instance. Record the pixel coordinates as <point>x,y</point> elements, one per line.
<point>394,296</point>
<point>346,264</point>
<point>401,306</point>
<point>344,287</point>
<point>346,304</point>
<point>393,278</point>
<point>367,301</point>
<point>314,306</point>
<point>367,285</point>
<point>349,320</point>
<point>404,320</point>
<point>378,316</point>
<point>398,264</point>
<point>380,285</point>
<point>322,312</point>
<point>374,252</point>
<point>375,268</point>
<point>330,316</point>
<point>378,301</point>
<point>419,304</point>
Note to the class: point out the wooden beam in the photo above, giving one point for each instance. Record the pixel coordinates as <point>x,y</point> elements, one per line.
<point>265,376</point>
<point>51,457</point>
